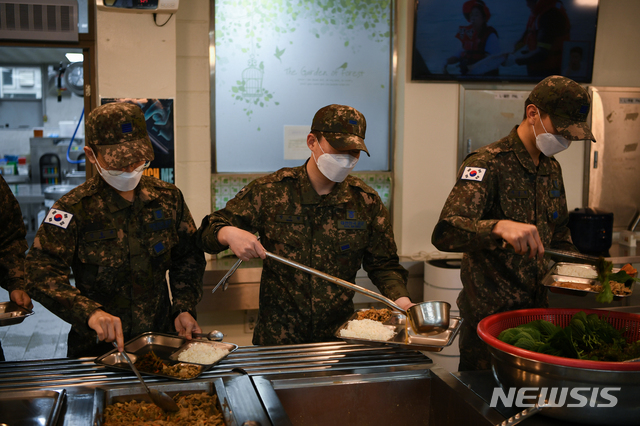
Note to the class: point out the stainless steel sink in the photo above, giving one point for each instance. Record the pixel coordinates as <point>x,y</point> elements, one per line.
<point>422,397</point>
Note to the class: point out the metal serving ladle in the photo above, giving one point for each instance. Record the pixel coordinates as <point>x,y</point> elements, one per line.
<point>159,398</point>
<point>425,317</point>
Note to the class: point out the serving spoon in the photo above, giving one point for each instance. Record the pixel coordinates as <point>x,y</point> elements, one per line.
<point>214,335</point>
<point>159,398</point>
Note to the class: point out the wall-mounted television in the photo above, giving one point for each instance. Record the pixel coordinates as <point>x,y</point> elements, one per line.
<point>504,40</point>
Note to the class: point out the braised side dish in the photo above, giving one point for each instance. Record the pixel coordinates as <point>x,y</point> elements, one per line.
<point>618,289</point>
<point>195,409</point>
<point>152,363</point>
<point>380,315</point>
<point>607,278</point>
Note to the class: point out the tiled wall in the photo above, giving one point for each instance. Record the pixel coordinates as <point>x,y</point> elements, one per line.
<point>225,186</point>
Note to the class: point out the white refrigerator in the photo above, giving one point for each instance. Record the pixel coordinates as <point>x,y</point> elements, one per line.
<point>612,181</point>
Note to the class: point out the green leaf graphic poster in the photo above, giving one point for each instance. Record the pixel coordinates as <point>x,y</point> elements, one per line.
<point>278,62</point>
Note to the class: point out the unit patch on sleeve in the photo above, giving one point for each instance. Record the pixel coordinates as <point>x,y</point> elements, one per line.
<point>473,173</point>
<point>58,218</point>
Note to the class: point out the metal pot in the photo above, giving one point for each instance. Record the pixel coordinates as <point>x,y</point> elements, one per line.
<point>516,371</point>
<point>514,367</point>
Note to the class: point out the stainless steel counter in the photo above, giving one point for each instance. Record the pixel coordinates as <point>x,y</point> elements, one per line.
<point>313,384</point>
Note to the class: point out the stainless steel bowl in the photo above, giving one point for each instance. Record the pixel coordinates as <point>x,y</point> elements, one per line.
<point>429,317</point>
<point>519,372</point>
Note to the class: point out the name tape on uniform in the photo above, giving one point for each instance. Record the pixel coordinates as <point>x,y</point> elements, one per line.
<point>473,173</point>
<point>58,218</point>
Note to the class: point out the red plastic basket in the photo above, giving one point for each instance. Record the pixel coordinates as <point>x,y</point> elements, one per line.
<point>490,327</point>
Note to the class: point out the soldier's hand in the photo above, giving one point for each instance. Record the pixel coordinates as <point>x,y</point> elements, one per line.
<point>404,302</point>
<point>185,325</point>
<point>21,298</point>
<point>244,244</point>
<point>522,236</point>
<point>108,327</point>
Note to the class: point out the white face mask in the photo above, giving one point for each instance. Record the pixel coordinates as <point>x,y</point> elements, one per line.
<point>335,167</point>
<point>550,144</point>
<point>126,181</point>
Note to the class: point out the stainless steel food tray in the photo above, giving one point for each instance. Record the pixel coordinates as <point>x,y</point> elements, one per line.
<point>405,337</point>
<point>107,395</point>
<point>11,313</point>
<point>31,407</point>
<point>556,280</point>
<point>164,346</point>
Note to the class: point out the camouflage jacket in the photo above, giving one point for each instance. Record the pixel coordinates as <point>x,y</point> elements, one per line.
<point>335,233</point>
<point>119,253</point>
<point>513,188</point>
<point>13,244</point>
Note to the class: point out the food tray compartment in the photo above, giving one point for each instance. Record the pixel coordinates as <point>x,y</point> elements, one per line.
<point>107,395</point>
<point>557,280</point>
<point>31,407</point>
<point>163,345</point>
<point>11,313</point>
<point>219,345</point>
<point>405,337</point>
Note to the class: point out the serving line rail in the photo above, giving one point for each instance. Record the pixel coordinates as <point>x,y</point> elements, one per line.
<point>252,360</point>
<point>283,385</point>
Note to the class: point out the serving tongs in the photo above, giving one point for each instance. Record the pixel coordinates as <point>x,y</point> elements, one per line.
<point>564,255</point>
<point>570,256</point>
<point>225,279</point>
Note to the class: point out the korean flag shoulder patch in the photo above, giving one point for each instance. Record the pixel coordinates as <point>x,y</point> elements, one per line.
<point>58,218</point>
<point>473,173</point>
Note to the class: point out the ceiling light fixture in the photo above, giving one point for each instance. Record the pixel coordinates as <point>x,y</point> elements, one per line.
<point>74,57</point>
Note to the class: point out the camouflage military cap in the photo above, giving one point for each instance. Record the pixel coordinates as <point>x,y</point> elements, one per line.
<point>342,126</point>
<point>118,130</point>
<point>567,103</point>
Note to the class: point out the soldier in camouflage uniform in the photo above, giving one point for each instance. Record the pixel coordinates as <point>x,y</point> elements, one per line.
<point>119,232</point>
<point>317,215</point>
<point>512,191</point>
<point>13,246</point>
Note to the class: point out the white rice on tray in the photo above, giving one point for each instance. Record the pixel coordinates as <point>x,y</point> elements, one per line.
<point>202,353</point>
<point>367,329</point>
<point>579,271</point>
